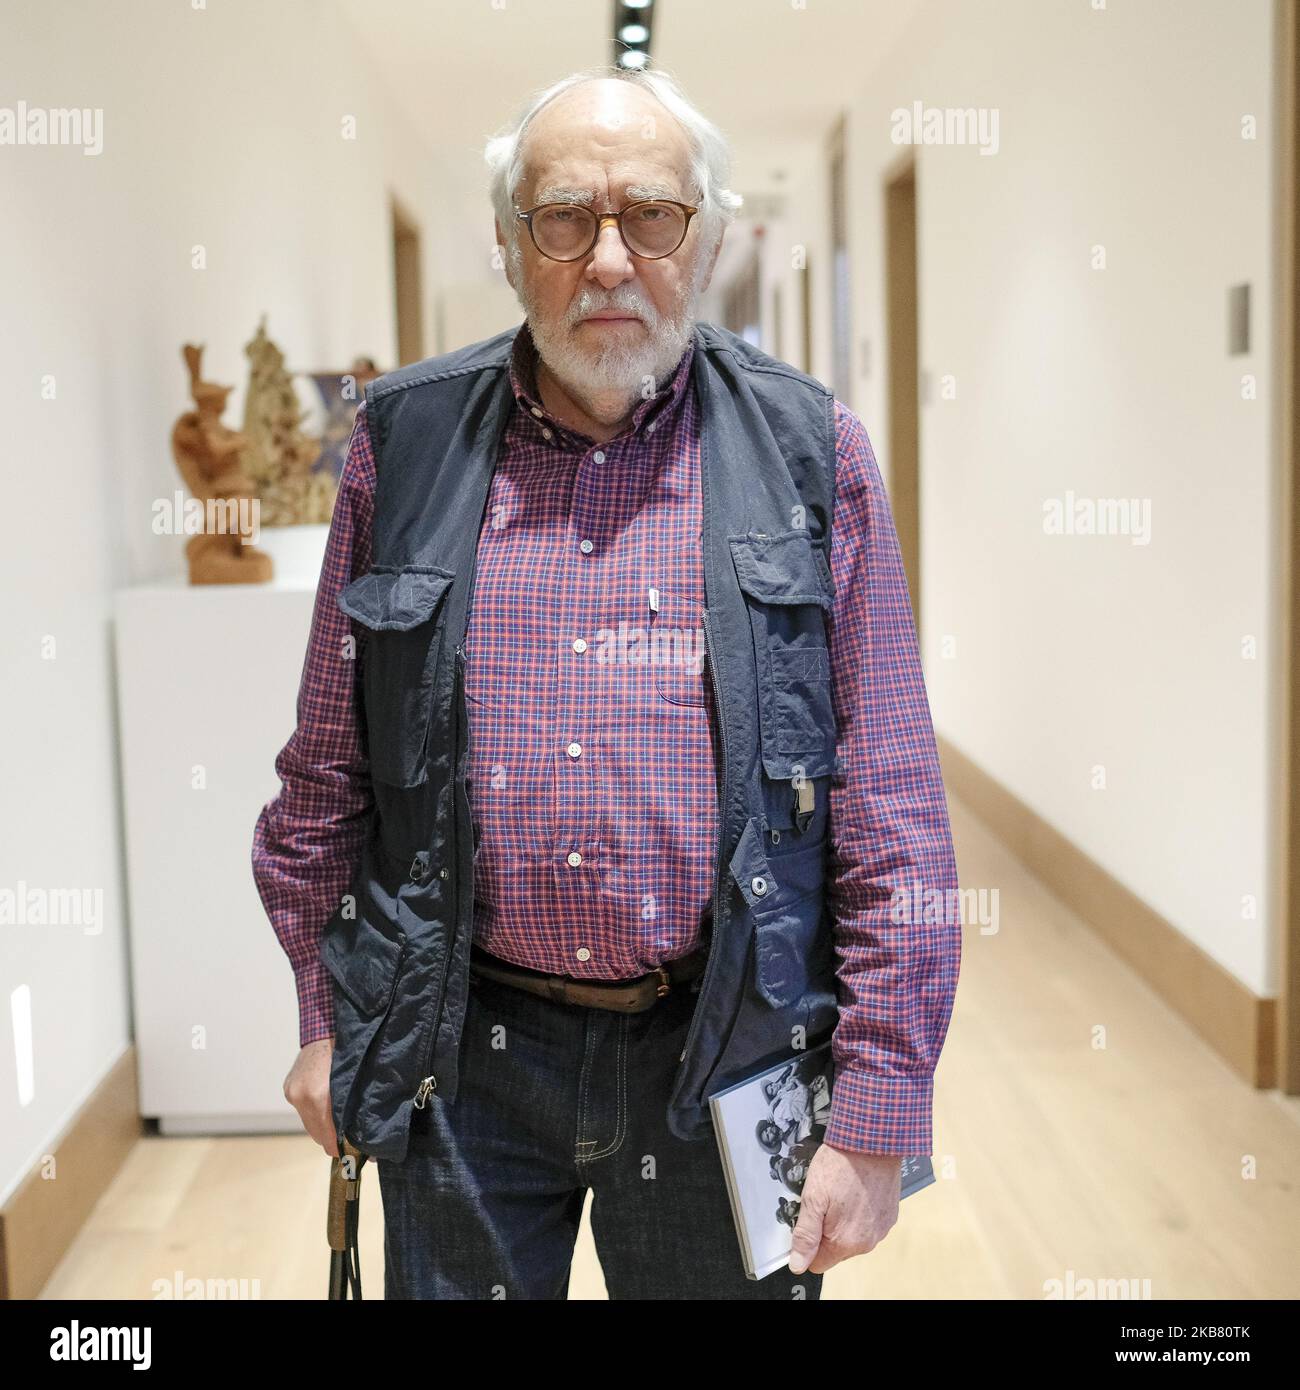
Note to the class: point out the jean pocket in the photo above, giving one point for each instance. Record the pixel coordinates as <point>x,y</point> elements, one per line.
<point>399,608</point>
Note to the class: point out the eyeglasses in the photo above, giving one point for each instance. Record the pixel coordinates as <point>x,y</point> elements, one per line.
<point>650,228</point>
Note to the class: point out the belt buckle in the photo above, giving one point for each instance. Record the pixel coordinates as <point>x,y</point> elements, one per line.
<point>665,982</point>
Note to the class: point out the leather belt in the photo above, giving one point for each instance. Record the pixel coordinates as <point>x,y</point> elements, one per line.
<point>623,996</point>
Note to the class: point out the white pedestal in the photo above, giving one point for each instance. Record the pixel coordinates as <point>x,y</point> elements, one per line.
<point>296,552</point>
<point>207,686</point>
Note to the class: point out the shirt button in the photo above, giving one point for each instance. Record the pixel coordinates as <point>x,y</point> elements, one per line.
<point>759,885</point>
<point>575,750</point>
<point>574,858</point>
<point>650,429</point>
<point>586,547</point>
<point>546,434</point>
<point>582,953</point>
<point>580,645</point>
<point>537,412</point>
<point>598,456</point>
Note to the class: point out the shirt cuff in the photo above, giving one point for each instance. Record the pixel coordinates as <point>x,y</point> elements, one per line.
<point>880,1114</point>
<point>315,987</point>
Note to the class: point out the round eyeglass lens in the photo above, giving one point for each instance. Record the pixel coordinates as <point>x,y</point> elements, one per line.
<point>654,229</point>
<point>563,231</point>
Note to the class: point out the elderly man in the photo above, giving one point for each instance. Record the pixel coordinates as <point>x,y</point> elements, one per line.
<point>547,879</point>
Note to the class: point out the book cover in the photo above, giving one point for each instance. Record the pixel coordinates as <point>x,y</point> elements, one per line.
<point>768,1127</point>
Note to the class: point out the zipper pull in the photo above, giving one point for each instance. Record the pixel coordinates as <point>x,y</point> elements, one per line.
<point>427,1088</point>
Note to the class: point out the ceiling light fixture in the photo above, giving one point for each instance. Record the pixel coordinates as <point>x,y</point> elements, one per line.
<point>633,30</point>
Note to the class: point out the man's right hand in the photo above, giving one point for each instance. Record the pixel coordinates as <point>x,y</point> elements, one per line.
<point>307,1089</point>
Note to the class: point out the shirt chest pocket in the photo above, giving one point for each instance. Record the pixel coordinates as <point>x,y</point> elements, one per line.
<point>677,653</point>
<point>401,612</point>
<point>788,590</point>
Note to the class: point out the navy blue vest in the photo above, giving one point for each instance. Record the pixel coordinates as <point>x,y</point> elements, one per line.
<point>398,946</point>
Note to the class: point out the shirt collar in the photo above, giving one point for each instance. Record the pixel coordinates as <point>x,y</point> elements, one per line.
<point>651,414</point>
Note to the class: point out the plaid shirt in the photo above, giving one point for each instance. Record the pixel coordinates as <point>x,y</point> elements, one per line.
<point>578,745</point>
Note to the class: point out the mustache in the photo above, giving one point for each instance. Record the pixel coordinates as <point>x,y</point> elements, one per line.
<point>586,305</point>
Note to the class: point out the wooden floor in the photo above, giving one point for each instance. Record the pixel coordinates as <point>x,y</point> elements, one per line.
<point>1143,1159</point>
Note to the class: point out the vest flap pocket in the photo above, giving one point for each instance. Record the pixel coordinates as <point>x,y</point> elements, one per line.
<point>770,882</point>
<point>363,960</point>
<point>786,893</point>
<point>400,610</point>
<point>782,569</point>
<point>395,600</point>
<point>749,866</point>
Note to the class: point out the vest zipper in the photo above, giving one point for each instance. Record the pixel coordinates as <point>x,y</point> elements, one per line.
<point>714,953</point>
<point>430,1083</point>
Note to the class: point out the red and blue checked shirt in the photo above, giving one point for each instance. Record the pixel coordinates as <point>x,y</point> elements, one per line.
<point>582,545</point>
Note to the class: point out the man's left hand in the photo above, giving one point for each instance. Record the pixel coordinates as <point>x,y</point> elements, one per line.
<point>848,1206</point>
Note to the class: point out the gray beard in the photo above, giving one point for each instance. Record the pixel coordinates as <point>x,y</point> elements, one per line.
<point>631,370</point>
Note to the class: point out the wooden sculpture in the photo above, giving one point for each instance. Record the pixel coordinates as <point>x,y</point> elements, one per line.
<point>281,459</point>
<point>208,455</point>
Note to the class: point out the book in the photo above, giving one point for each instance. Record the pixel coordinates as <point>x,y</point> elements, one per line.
<point>768,1127</point>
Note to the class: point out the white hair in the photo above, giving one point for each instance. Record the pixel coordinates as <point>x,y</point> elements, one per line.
<point>710,166</point>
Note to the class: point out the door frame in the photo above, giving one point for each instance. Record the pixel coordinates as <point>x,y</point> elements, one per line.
<point>903,364</point>
<point>1286,46</point>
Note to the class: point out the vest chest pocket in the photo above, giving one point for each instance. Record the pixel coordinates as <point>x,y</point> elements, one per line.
<point>399,608</point>
<point>788,590</point>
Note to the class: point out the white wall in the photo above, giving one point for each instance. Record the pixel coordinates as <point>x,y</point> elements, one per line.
<point>222,128</point>
<point>1048,656</point>
<point>477,310</point>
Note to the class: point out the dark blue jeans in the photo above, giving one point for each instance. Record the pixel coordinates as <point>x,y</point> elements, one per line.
<point>555,1099</point>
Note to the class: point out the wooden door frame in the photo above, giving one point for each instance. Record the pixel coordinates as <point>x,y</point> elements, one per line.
<point>1286,46</point>
<point>903,385</point>
<point>840,247</point>
<point>408,285</point>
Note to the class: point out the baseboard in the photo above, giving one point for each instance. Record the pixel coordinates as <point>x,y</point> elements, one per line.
<point>41,1219</point>
<point>1237,1023</point>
